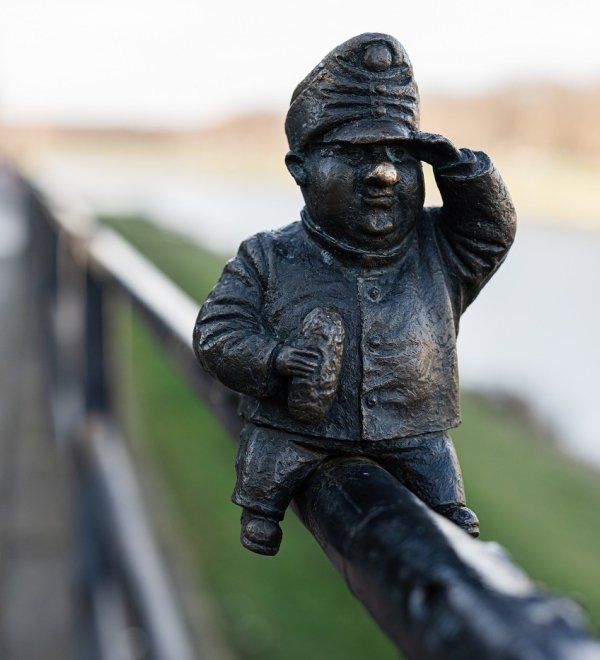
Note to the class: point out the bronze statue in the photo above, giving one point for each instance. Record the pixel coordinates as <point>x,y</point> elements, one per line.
<point>340,330</point>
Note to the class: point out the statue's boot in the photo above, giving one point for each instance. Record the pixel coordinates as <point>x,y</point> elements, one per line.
<point>260,533</point>
<point>462,516</point>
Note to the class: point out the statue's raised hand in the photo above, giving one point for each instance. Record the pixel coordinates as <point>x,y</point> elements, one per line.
<point>433,148</point>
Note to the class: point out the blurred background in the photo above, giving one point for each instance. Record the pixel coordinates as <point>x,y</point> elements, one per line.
<point>165,120</point>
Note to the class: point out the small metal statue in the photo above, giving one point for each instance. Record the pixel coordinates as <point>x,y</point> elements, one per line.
<point>340,330</point>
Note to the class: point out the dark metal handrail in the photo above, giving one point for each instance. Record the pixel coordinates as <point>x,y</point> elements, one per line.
<point>123,583</point>
<point>437,593</point>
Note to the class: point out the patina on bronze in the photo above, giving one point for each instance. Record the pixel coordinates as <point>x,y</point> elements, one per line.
<point>340,330</point>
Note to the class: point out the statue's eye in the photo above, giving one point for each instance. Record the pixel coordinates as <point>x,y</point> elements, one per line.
<point>347,152</point>
<point>396,154</point>
<point>355,154</point>
<point>327,152</point>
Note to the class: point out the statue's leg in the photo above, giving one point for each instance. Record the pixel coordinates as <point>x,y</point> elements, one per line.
<point>428,466</point>
<point>270,467</point>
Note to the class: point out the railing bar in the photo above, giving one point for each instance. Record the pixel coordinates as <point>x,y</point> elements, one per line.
<point>222,401</point>
<point>453,616</point>
<point>436,592</point>
<point>110,621</point>
<point>170,312</point>
<point>150,586</point>
<point>145,283</point>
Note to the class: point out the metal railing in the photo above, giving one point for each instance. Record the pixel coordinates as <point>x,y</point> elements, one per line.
<point>125,594</point>
<point>437,593</point>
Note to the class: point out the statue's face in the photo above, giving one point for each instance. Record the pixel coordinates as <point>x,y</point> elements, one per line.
<point>366,195</point>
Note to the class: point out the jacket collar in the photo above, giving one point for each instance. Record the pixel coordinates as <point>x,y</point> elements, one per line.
<point>357,255</point>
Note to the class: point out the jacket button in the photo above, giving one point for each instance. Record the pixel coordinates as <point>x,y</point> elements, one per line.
<point>374,342</point>
<point>371,401</point>
<point>374,292</point>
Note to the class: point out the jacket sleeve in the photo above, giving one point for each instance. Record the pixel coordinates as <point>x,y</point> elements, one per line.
<point>231,340</point>
<point>476,225</point>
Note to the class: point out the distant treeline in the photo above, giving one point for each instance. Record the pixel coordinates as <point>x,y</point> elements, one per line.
<point>541,116</point>
<point>547,116</point>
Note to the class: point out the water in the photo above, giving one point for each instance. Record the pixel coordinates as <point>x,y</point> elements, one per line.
<point>534,333</point>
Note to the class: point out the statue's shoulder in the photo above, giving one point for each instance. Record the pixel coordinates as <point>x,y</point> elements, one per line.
<point>268,249</point>
<point>281,240</point>
<point>286,234</point>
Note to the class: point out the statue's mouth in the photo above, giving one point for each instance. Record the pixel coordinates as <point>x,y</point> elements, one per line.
<point>383,198</point>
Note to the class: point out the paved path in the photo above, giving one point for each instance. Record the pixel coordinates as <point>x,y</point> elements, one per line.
<point>35,499</point>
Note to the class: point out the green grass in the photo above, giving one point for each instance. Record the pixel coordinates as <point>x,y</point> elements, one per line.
<point>543,506</point>
<point>539,504</point>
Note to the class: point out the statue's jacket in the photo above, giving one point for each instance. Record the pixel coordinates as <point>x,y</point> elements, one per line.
<point>400,310</point>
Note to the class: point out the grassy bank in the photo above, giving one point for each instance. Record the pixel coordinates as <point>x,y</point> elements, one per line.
<point>539,504</point>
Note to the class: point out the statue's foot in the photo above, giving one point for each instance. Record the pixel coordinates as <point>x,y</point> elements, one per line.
<point>260,534</point>
<point>462,516</point>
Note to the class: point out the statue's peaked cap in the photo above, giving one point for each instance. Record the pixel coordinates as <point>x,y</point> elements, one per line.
<point>362,90</point>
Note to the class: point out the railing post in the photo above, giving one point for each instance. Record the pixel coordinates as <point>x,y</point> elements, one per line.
<point>96,392</point>
<point>94,560</point>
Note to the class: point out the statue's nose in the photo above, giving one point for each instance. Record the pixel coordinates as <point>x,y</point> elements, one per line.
<point>383,174</point>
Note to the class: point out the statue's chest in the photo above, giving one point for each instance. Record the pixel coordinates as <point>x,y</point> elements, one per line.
<point>406,299</point>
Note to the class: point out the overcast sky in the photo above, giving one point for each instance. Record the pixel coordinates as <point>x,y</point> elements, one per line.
<point>178,62</point>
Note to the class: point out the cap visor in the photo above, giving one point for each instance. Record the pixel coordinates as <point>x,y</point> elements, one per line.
<point>370,130</point>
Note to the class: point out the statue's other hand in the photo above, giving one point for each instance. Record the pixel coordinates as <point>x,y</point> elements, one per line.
<point>433,148</point>
<point>292,361</point>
